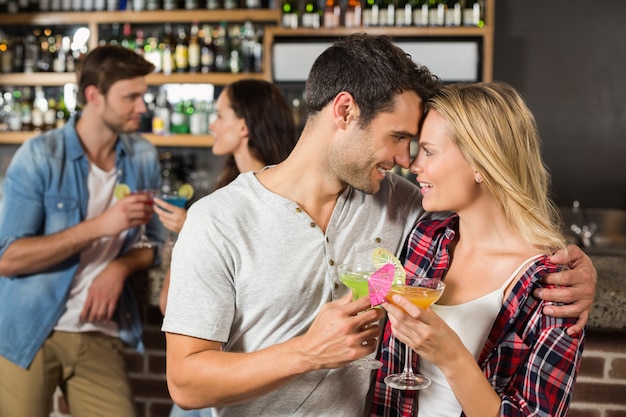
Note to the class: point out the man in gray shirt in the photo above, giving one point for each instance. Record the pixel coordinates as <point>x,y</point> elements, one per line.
<point>257,321</point>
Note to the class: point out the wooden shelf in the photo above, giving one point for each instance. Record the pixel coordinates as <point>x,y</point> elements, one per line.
<point>191,141</point>
<point>157,16</point>
<point>52,79</point>
<point>408,31</point>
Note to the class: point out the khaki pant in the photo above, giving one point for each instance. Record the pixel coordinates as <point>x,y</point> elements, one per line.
<point>89,368</point>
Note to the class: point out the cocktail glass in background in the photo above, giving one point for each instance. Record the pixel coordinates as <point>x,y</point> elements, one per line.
<point>177,200</point>
<point>143,241</point>
<point>422,292</point>
<point>356,277</point>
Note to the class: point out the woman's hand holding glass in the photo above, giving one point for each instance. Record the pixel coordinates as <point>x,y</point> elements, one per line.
<point>407,310</point>
<point>172,217</point>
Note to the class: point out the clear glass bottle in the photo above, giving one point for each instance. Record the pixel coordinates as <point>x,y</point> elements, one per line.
<point>371,15</point>
<point>354,14</point>
<point>290,14</point>
<point>332,13</point>
<point>436,12</point>
<point>454,12</point>
<point>404,13</point>
<point>420,12</point>
<point>473,13</point>
<point>311,15</point>
<point>387,13</point>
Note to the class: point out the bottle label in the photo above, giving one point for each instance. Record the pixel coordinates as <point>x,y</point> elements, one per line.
<point>353,17</point>
<point>311,20</point>
<point>471,16</point>
<point>404,15</point>
<point>387,16</point>
<point>290,20</point>
<point>371,16</point>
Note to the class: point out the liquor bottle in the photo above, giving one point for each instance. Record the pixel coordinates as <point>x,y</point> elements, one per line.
<point>23,6</point>
<point>45,56</point>
<point>116,37</point>
<point>50,115</point>
<point>290,15</point>
<point>472,13</point>
<point>18,52</point>
<point>311,15</point>
<point>193,50</point>
<point>62,112</point>
<point>191,4</point>
<point>38,109</point>
<point>59,59</point>
<point>453,13</point>
<point>253,4</point>
<point>178,122</point>
<point>153,4</point>
<point>420,12</point>
<point>332,14</point>
<point>6,54</point>
<point>249,43</point>
<point>152,53</point>
<point>404,13</point>
<point>213,4</point>
<point>231,4</point>
<point>162,114</point>
<point>222,45</point>
<point>128,41</point>
<point>207,50</point>
<point>235,58</point>
<point>170,4</point>
<point>436,12</point>
<point>387,13</point>
<point>354,14</point>
<point>167,51</point>
<point>70,60</point>
<point>199,119</point>
<point>31,52</point>
<point>181,53</point>
<point>371,13</point>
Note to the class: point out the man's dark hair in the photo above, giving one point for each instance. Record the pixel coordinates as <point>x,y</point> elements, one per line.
<point>107,64</point>
<point>372,69</point>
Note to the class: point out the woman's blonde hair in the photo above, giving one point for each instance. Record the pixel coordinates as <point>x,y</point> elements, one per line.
<point>497,134</point>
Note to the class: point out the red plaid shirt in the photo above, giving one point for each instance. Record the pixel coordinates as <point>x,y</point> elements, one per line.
<point>528,358</point>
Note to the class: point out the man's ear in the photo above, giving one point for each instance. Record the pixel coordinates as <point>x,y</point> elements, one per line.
<point>345,109</point>
<point>92,94</point>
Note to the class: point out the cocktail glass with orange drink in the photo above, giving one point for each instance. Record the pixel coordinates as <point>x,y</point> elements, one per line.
<point>421,292</point>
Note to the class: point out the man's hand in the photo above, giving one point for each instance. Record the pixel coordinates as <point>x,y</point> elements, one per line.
<point>103,294</point>
<point>576,287</point>
<point>344,331</point>
<point>131,211</point>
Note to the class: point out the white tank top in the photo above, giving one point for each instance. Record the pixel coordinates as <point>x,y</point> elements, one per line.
<point>472,322</point>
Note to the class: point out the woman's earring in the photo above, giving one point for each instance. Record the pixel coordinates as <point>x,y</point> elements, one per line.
<point>479,179</point>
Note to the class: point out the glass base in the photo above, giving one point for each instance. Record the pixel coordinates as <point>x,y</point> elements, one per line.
<point>411,382</point>
<point>366,363</point>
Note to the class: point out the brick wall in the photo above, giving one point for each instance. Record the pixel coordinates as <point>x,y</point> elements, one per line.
<point>600,390</point>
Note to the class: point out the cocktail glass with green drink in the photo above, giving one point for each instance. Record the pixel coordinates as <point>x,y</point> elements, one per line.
<point>356,277</point>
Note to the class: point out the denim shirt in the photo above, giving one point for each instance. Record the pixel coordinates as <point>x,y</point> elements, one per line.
<point>45,192</point>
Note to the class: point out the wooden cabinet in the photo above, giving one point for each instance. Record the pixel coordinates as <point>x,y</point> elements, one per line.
<point>93,20</point>
<point>273,33</point>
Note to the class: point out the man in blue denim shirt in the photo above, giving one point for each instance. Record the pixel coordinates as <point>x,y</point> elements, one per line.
<point>66,248</point>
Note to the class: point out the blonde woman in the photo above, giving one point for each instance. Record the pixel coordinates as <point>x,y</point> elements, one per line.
<point>486,344</point>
